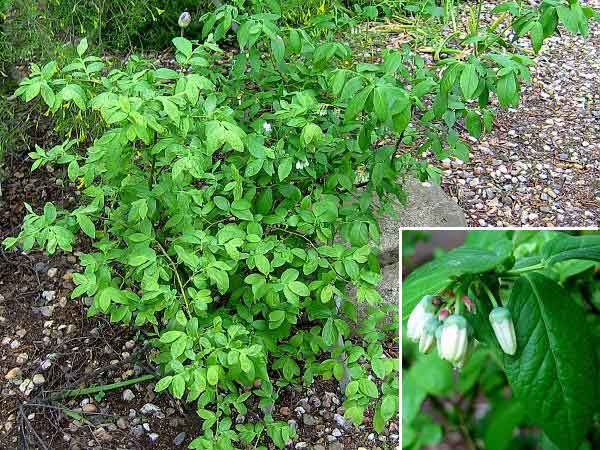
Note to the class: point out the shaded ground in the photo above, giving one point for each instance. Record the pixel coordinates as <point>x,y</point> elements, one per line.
<point>48,345</point>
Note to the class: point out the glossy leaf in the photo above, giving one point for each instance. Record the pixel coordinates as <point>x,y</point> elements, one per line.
<point>552,373</point>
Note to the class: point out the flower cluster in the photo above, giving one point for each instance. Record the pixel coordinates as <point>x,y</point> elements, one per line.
<point>452,332</point>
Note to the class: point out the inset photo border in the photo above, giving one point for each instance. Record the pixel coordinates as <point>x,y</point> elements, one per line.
<point>498,339</point>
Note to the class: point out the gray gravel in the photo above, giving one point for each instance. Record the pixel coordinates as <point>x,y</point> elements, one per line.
<point>540,166</point>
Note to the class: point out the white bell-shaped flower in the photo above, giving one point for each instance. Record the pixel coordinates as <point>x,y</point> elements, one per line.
<point>427,339</point>
<point>504,329</point>
<point>421,314</point>
<point>454,339</point>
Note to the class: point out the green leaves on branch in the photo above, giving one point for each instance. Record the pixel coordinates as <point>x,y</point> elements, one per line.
<point>553,373</point>
<point>230,219</point>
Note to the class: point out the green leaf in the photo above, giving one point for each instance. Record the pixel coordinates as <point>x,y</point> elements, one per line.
<point>326,293</point>
<point>501,424</point>
<point>469,81</point>
<point>435,276</point>
<point>171,109</point>
<point>299,288</point>
<point>221,202</point>
<point>355,414</point>
<point>569,18</point>
<point>506,89</point>
<point>87,226</point>
<point>183,45</point>
<point>49,212</point>
<point>329,333</point>
<point>357,104</point>
<point>537,36</point>
<point>220,278</point>
<point>178,347</point>
<point>284,168</point>
<point>411,404</point>
<point>163,383</point>
<point>553,373</point>
<point>253,167</point>
<point>245,363</point>
<point>170,336</point>
<point>368,387</point>
<point>276,318</point>
<point>278,49</point>
<point>473,124</point>
<point>380,103</point>
<point>178,386</point>
<point>82,47</point>
<point>351,388</point>
<point>572,247</point>
<point>106,296</point>
<point>389,407</point>
<point>433,374</point>
<point>378,367</point>
<point>262,263</point>
<point>212,375</point>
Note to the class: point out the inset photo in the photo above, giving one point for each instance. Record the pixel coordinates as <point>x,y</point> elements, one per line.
<point>499,336</point>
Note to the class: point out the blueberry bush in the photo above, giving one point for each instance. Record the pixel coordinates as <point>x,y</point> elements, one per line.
<point>230,213</point>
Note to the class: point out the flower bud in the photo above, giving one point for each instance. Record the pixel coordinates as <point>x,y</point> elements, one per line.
<point>444,313</point>
<point>503,326</point>
<point>468,303</point>
<point>428,335</point>
<point>416,321</point>
<point>184,19</point>
<point>454,339</point>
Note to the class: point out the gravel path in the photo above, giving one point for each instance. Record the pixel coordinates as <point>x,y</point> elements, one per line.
<point>540,166</point>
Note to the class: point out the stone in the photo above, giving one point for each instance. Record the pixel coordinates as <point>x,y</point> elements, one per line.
<point>122,423</point>
<point>179,439</point>
<point>390,283</point>
<point>128,395</point>
<point>26,386</point>
<point>149,409</point>
<point>428,206</point>
<point>103,435</point>
<point>339,419</point>
<point>52,272</point>
<point>38,379</point>
<point>46,311</point>
<point>22,358</point>
<point>49,295</point>
<point>89,408</point>
<point>336,446</point>
<point>13,374</point>
<point>309,420</point>
<point>46,364</point>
